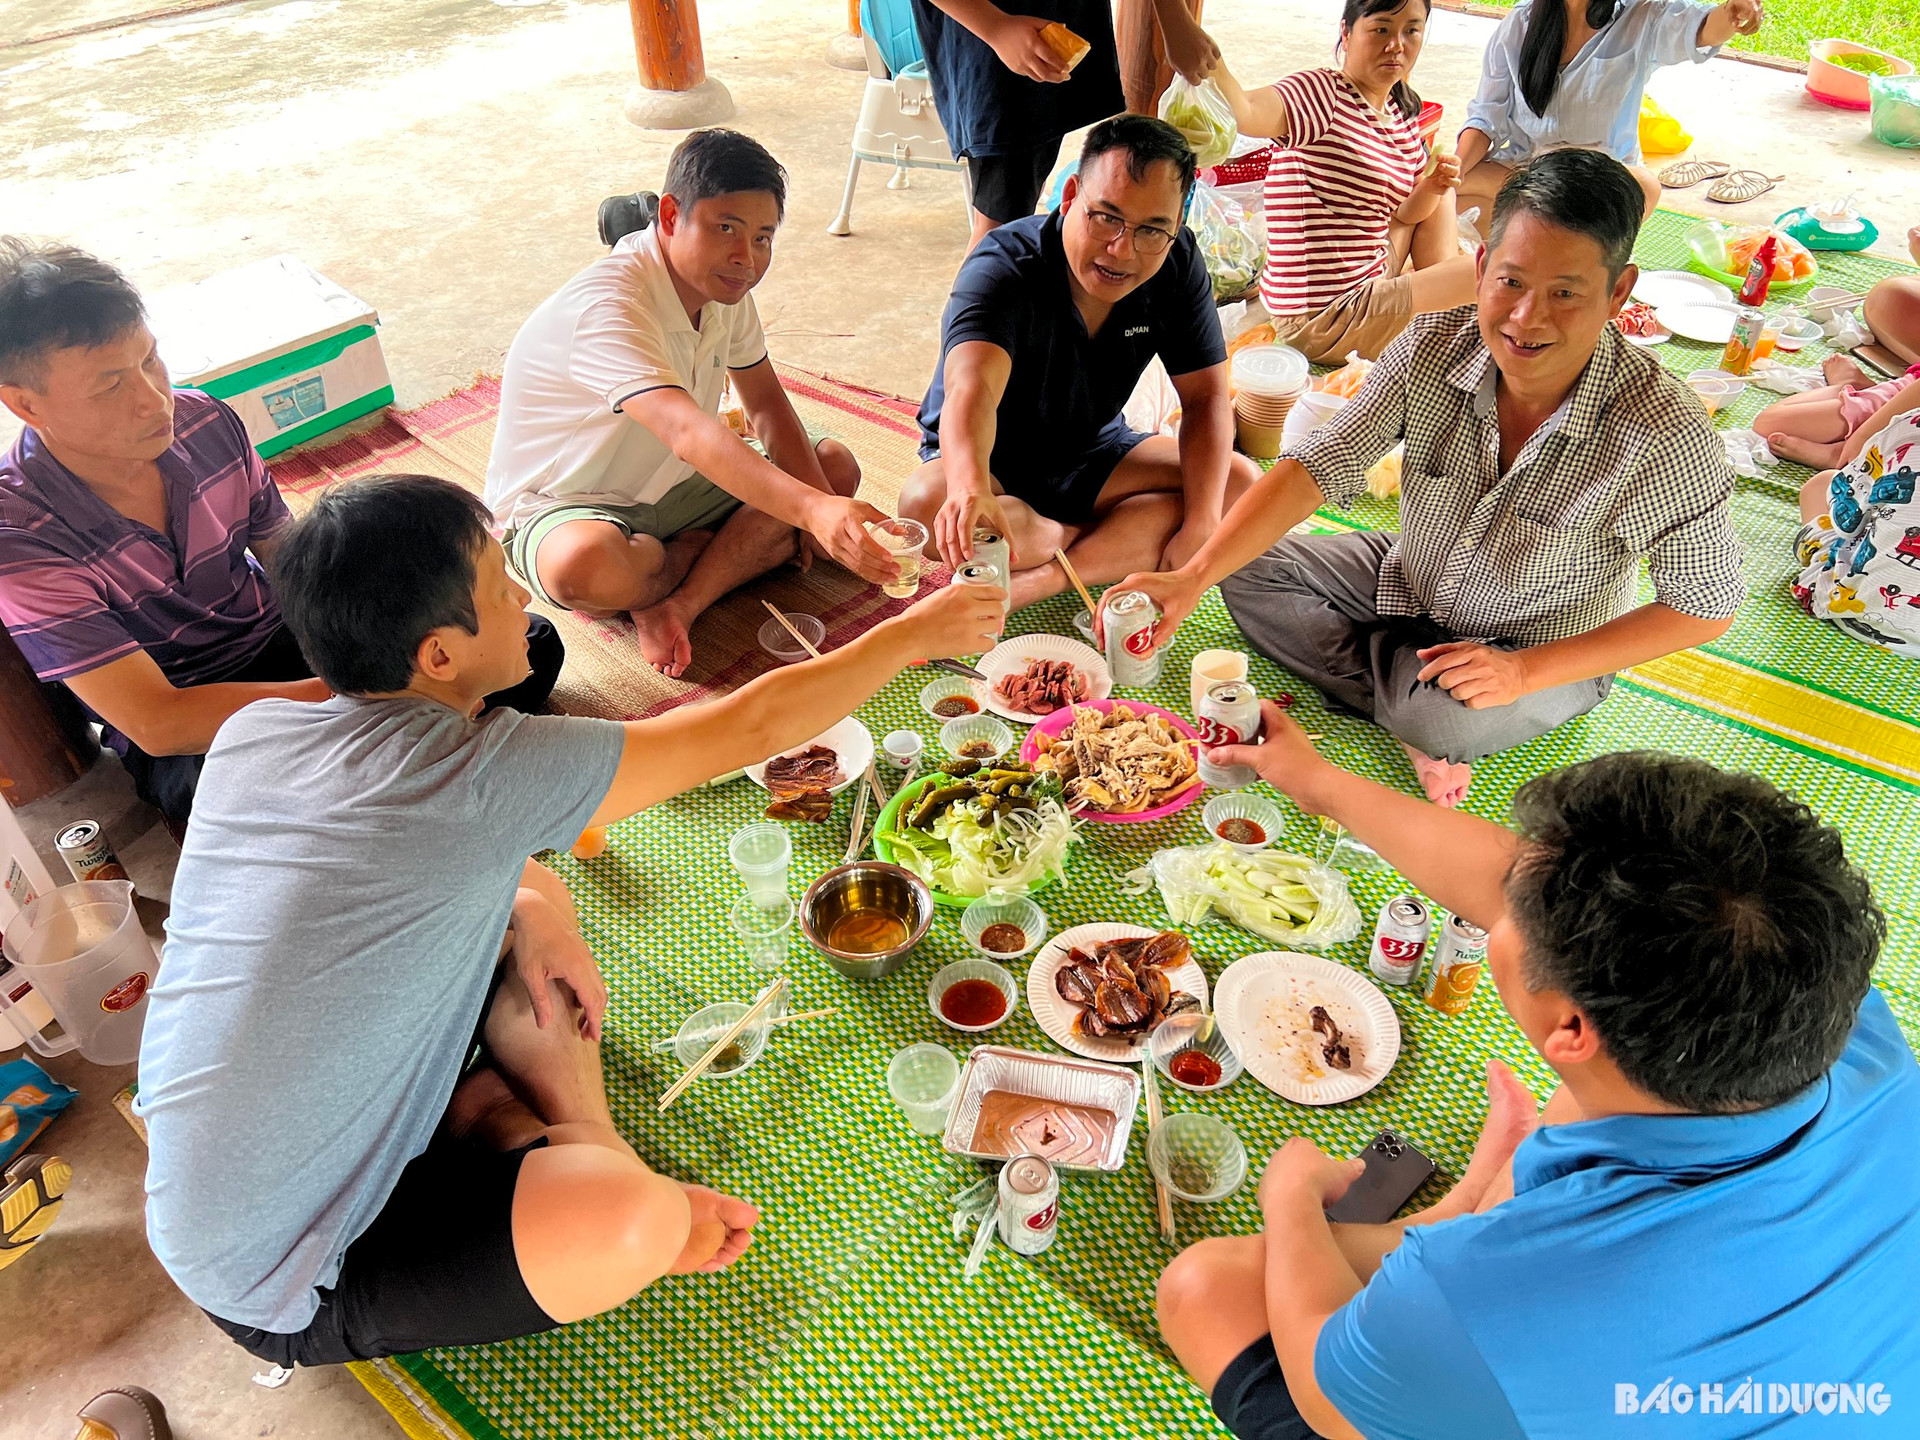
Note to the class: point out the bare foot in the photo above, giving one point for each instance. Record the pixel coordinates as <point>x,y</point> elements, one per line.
<point>1444,781</point>
<point>1843,370</point>
<point>1512,1115</point>
<point>485,1107</point>
<point>663,637</point>
<point>1806,452</point>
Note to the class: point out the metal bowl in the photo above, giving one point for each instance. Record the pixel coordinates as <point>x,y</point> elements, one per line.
<point>866,885</point>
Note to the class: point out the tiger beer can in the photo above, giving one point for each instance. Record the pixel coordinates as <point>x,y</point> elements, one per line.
<point>1400,940</point>
<point>1029,1204</point>
<point>1459,955</point>
<point>1130,654</point>
<point>88,855</point>
<point>991,547</point>
<point>1229,715</point>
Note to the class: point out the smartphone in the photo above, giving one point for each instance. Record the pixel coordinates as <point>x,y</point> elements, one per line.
<point>1395,1170</point>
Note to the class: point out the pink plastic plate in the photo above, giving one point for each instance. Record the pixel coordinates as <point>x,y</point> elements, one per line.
<point>1060,719</point>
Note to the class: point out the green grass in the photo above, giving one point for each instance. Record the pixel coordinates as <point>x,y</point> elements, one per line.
<point>1890,25</point>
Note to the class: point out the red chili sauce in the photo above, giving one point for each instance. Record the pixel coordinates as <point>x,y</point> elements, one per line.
<point>1194,1067</point>
<point>950,706</point>
<point>1239,831</point>
<point>973,1002</point>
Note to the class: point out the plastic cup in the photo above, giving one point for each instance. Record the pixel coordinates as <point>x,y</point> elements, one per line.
<point>761,853</point>
<point>989,739</point>
<point>923,1081</point>
<point>999,908</point>
<point>904,540</point>
<point>778,641</point>
<point>701,1030</point>
<point>1083,622</point>
<point>1212,667</point>
<point>1197,1157</point>
<point>765,930</point>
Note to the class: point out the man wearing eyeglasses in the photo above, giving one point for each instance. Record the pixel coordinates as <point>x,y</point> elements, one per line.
<point>1051,323</point>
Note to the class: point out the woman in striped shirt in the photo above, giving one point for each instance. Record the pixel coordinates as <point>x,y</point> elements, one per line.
<point>1361,234</point>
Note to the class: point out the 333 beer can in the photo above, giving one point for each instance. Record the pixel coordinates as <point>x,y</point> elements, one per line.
<point>1029,1204</point>
<point>1400,940</point>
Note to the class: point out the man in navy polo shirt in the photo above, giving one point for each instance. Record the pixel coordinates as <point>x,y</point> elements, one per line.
<point>1714,1226</point>
<point>137,526</point>
<point>1051,323</point>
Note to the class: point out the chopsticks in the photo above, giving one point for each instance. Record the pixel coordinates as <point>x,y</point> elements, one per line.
<point>791,628</point>
<point>667,1043</point>
<point>1163,1201</point>
<point>774,992</point>
<point>864,789</point>
<point>1074,576</point>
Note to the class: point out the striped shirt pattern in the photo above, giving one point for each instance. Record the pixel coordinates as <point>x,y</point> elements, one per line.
<point>82,585</point>
<point>1628,467</point>
<point>1333,186</point>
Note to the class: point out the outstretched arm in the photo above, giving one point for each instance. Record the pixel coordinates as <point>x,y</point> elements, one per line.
<point>691,745</point>
<point>133,696</point>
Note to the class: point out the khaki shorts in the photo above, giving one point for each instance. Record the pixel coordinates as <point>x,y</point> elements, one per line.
<point>1367,318</point>
<point>696,503</point>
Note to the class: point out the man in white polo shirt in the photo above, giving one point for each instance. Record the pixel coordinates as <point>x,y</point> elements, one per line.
<point>618,485</point>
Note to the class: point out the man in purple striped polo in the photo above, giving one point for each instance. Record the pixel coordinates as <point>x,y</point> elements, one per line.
<point>137,526</point>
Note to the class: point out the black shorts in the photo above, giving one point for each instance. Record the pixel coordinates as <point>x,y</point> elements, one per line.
<point>1007,187</point>
<point>1252,1400</point>
<point>436,1266</point>
<point>1070,496</point>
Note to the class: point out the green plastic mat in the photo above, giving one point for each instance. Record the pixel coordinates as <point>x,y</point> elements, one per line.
<point>848,1316</point>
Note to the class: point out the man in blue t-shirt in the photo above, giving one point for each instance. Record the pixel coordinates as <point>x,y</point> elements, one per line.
<point>370,1071</point>
<point>1714,1223</point>
<point>1052,321</point>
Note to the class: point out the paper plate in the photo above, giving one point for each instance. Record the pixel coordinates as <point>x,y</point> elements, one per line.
<point>1011,656</point>
<point>850,740</point>
<point>1712,324</point>
<point>1677,287</point>
<point>1253,1002</point>
<point>1058,721</point>
<point>1056,1016</point>
<point>1647,342</point>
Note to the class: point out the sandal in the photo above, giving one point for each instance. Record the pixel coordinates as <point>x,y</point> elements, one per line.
<point>1742,185</point>
<point>1691,172</point>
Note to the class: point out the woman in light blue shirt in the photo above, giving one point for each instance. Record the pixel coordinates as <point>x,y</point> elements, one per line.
<point>1571,72</point>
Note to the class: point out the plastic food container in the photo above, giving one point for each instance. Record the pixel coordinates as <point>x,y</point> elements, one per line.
<point>998,909</point>
<point>775,640</point>
<point>1076,1114</point>
<point>997,976</point>
<point>977,737</point>
<point>1260,814</point>
<point>953,687</point>
<point>1836,85</point>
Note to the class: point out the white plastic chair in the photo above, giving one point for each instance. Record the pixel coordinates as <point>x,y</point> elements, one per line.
<point>899,127</point>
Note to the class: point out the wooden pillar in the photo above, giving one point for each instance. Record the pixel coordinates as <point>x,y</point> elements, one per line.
<point>848,51</point>
<point>675,92</point>
<point>38,755</point>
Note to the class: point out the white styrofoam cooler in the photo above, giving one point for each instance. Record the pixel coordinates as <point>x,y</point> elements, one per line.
<point>293,353</point>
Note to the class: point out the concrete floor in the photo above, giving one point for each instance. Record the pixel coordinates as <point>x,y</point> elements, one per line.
<point>442,159</point>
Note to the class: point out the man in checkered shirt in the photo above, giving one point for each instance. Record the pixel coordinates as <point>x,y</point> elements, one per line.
<point>1544,457</point>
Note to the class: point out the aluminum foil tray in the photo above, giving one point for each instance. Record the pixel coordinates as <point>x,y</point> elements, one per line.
<point>1074,1113</point>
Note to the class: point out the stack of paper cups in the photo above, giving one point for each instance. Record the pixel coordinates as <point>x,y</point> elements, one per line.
<point>1267,379</point>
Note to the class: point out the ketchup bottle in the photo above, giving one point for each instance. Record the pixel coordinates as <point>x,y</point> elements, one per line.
<point>1737,358</point>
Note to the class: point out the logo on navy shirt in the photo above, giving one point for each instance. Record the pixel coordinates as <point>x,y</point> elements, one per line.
<point>1133,330</point>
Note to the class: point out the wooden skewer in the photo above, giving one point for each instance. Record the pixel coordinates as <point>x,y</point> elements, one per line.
<point>792,629</point>
<point>667,1043</point>
<point>768,996</point>
<point>1074,576</point>
<point>1163,1201</point>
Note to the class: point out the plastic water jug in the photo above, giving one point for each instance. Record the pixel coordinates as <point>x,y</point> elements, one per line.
<point>83,949</point>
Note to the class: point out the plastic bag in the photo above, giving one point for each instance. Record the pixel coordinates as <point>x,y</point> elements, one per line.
<point>1154,406</point>
<point>1201,113</point>
<point>1896,109</point>
<point>1191,895</point>
<point>1230,242</point>
<point>29,1099</point>
<point>1347,380</point>
<point>1660,133</point>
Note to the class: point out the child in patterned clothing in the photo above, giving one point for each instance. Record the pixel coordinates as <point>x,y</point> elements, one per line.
<point>1859,550</point>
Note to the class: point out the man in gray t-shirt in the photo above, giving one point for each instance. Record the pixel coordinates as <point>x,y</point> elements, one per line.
<point>332,1175</point>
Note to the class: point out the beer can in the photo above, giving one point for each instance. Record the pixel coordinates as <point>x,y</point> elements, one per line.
<point>1458,958</point>
<point>990,546</point>
<point>979,572</point>
<point>1029,1204</point>
<point>1400,940</point>
<point>1130,653</point>
<point>88,855</point>
<point>1229,715</point>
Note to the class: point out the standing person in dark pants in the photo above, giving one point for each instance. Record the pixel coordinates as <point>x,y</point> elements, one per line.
<point>137,526</point>
<point>1007,96</point>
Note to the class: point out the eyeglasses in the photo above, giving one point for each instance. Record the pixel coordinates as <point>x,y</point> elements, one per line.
<point>1108,227</point>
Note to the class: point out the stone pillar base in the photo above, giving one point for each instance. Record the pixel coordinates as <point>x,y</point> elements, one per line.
<point>708,103</point>
<point>847,52</point>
